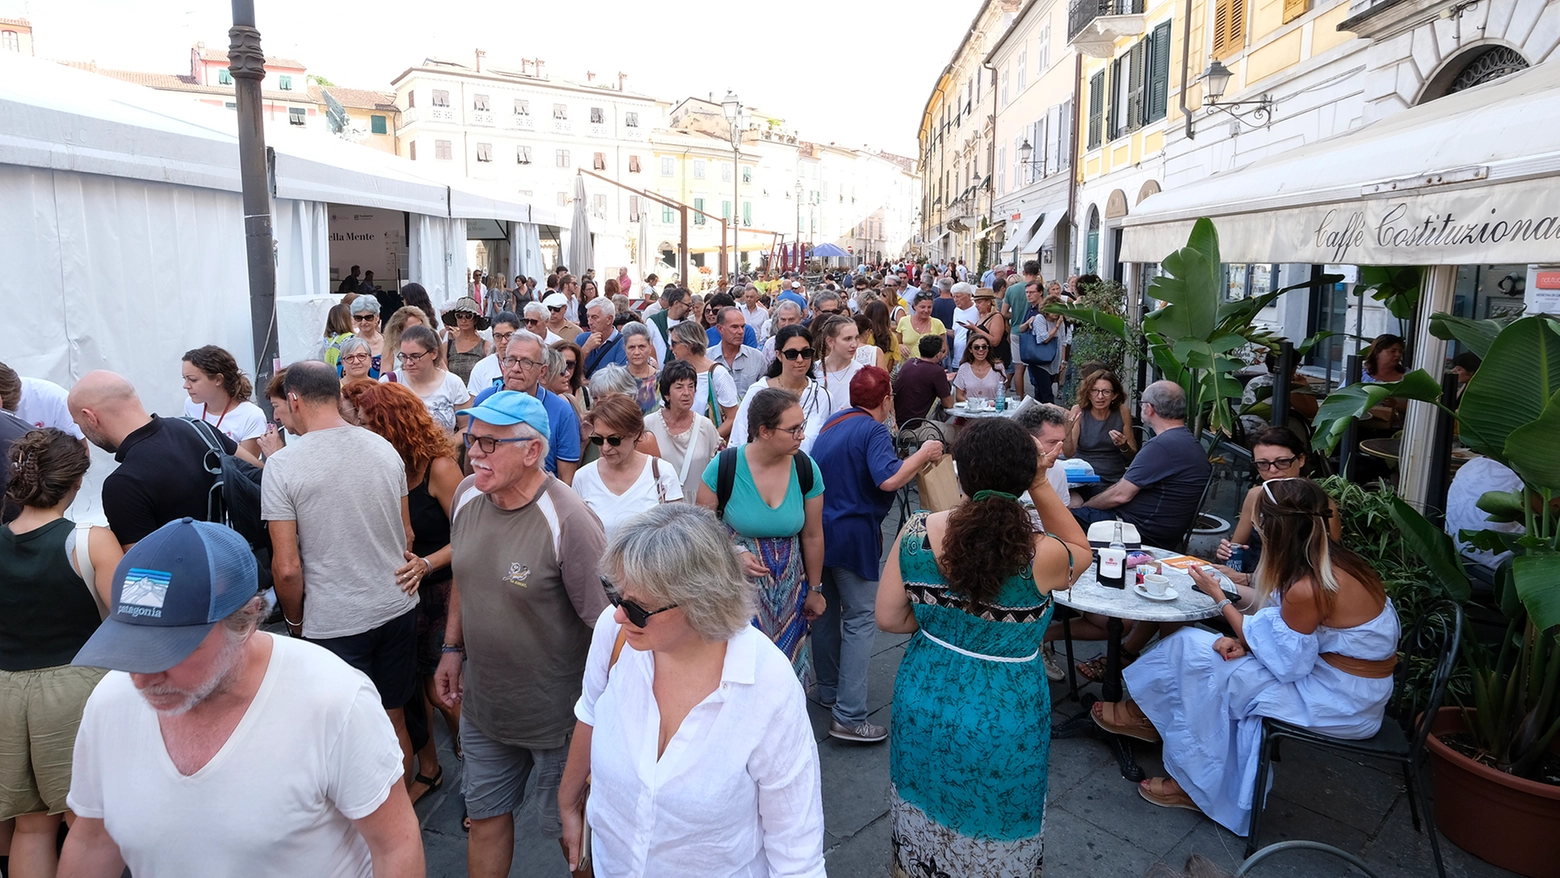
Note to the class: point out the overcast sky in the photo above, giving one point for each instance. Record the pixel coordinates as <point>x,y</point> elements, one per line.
<point>854,73</point>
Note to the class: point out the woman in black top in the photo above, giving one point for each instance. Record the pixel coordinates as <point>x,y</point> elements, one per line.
<point>47,612</point>
<point>396,413</point>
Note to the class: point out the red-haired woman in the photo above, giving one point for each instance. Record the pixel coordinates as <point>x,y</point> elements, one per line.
<point>398,414</point>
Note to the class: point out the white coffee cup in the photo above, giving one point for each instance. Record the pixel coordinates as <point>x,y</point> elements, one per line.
<point>1156,583</point>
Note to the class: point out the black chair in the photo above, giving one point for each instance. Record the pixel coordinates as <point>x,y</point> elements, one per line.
<point>1435,635</point>
<point>1316,846</point>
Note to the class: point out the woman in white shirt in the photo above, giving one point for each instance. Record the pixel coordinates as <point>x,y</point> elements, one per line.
<point>219,395</point>
<point>622,482</point>
<point>700,715</point>
<point>441,390</point>
<point>716,394</point>
<point>687,439</point>
<point>837,340</point>
<point>791,370</point>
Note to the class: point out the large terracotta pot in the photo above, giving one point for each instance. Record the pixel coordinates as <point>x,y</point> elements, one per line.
<point>1504,820</point>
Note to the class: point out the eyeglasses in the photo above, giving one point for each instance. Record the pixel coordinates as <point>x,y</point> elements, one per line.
<point>506,336</point>
<point>364,317</point>
<point>568,366</point>
<point>465,315</point>
<point>356,358</point>
<point>797,432</point>
<point>828,311</point>
<point>405,357</point>
<point>1106,392</point>
<point>637,615</point>
<point>489,444</point>
<point>512,362</point>
<point>793,353</point>
<point>529,321</point>
<point>980,347</point>
<point>614,441</point>
<point>555,308</point>
<point>1275,464</point>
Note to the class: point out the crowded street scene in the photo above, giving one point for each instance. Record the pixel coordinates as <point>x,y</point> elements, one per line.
<point>1071,437</point>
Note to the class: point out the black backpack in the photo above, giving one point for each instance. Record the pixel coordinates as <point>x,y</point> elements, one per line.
<point>726,476</point>
<point>234,499</point>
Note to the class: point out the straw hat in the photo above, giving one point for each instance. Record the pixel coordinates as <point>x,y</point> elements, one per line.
<point>468,305</point>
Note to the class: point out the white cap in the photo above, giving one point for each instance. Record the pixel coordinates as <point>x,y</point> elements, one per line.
<point>795,285</point>
<point>556,300</point>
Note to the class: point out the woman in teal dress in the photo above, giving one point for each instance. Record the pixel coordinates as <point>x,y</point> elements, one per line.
<point>972,708</point>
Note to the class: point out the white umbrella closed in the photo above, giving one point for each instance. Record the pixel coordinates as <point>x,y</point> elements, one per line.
<point>582,252</point>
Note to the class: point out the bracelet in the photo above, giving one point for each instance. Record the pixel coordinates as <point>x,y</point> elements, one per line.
<point>1219,607</point>
<point>427,566</point>
<point>452,647</point>
<point>290,622</point>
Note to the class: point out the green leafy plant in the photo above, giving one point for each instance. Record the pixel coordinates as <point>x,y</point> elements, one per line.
<point>1090,344</point>
<point>1193,338</point>
<point>1395,286</point>
<point>1510,412</point>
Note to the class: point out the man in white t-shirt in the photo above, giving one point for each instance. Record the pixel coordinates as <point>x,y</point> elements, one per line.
<point>964,312</point>
<point>166,778</point>
<point>38,402</point>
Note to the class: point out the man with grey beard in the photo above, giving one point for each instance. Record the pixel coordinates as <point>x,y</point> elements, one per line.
<point>171,774</point>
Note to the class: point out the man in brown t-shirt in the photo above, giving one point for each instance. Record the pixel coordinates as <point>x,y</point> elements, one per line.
<point>525,597</point>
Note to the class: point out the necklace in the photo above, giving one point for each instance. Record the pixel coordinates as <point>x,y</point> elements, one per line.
<point>204,409</point>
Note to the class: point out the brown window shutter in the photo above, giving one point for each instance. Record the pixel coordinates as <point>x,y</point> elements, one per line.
<point>1233,16</point>
<point>1293,9</point>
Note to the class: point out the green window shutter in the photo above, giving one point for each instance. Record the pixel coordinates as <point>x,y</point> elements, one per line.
<point>1096,109</point>
<point>1135,86</point>
<point>1113,120</point>
<point>1158,74</point>
<point>378,125</point>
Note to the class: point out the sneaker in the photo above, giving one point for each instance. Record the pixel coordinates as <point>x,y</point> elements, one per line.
<point>1053,666</point>
<point>864,732</point>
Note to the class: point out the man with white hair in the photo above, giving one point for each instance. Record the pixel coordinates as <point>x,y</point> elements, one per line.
<point>964,316</point>
<point>753,313</point>
<point>488,371</point>
<point>602,344</point>
<point>785,314</point>
<point>166,777</point>
<point>536,320</point>
<point>525,598</point>
<point>524,365</point>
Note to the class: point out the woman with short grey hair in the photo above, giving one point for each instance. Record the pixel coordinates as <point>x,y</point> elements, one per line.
<point>739,793</point>
<point>715,393</point>
<point>365,320</point>
<point>356,361</point>
<point>639,348</point>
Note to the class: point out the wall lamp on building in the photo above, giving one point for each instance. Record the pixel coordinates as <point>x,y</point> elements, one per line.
<point>1215,79</point>
<point>1026,158</point>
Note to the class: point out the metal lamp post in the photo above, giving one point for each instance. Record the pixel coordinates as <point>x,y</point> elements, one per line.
<point>247,64</point>
<point>733,109</point>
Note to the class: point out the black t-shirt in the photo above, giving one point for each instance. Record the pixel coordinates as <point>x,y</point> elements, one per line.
<point>1170,471</point>
<point>161,477</point>
<point>919,384</point>
<point>12,428</point>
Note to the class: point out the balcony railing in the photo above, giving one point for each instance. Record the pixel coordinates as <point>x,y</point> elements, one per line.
<point>1082,12</point>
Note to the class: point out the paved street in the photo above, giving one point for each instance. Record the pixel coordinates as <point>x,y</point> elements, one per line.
<point>1096,825</point>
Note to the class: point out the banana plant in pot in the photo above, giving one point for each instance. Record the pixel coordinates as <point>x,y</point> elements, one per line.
<point>1509,718</point>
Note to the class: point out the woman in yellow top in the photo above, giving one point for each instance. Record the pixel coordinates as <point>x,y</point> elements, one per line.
<point>919,322</point>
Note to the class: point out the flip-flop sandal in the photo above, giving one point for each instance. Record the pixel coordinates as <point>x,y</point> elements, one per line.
<point>434,784</point>
<point>1093,670</point>
<point>1153,791</point>
<point>1133,727</point>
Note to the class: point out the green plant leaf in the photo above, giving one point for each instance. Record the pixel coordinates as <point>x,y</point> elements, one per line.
<point>1304,347</point>
<point>1432,545</point>
<point>1533,450</point>
<point>1105,321</point>
<point>1190,285</point>
<point>1349,403</point>
<point>1491,540</point>
<point>1475,335</point>
<point>1519,376</point>
<point>1536,578</point>
<point>1503,506</point>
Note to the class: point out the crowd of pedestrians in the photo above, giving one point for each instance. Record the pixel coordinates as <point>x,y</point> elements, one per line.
<point>613,546</point>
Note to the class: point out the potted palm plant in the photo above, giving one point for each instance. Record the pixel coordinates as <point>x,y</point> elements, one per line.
<point>1494,755</point>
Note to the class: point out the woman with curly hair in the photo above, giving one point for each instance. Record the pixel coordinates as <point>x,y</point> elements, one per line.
<point>403,319</point>
<point>972,717</point>
<point>55,577</point>
<point>396,413</point>
<point>219,395</point>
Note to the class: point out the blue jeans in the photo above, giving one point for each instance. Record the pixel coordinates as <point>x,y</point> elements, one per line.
<point>842,641</point>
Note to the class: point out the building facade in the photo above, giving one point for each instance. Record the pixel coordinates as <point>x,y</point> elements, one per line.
<point>16,35</point>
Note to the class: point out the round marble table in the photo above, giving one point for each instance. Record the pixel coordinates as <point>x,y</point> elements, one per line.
<point>960,410</point>
<point>1116,604</point>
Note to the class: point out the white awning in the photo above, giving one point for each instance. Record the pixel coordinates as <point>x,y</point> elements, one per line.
<point>1037,231</point>
<point>465,204</point>
<point>1473,177</point>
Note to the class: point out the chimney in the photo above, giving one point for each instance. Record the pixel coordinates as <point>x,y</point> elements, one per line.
<point>480,54</point>
<point>539,65</point>
<point>621,78</point>
<point>589,76</point>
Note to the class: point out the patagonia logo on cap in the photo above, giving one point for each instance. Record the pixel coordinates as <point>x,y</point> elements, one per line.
<point>143,592</point>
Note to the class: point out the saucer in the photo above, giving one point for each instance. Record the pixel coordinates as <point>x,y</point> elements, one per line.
<point>1142,591</point>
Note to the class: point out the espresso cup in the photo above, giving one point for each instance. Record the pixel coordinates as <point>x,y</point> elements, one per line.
<point>1156,583</point>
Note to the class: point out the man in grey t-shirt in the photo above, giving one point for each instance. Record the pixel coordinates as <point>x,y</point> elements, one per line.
<point>335,502</point>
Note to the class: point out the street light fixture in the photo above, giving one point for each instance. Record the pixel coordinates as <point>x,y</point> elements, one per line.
<point>1216,79</point>
<point>733,109</point>
<point>1026,158</point>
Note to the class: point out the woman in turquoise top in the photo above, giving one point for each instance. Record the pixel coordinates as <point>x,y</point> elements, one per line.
<point>972,709</point>
<point>777,523</point>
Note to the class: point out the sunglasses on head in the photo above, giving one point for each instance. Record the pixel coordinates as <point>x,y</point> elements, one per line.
<point>614,441</point>
<point>794,353</point>
<point>638,616</point>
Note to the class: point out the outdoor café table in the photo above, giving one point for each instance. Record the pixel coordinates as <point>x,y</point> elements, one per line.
<point>1387,449</point>
<point>961,410</point>
<point>1116,604</point>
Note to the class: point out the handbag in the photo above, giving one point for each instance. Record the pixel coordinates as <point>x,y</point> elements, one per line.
<point>586,867</point>
<point>1033,351</point>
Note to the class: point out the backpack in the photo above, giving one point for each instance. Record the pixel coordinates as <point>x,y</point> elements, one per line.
<point>234,499</point>
<point>726,476</point>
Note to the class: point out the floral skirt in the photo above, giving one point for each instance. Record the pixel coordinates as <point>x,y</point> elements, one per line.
<point>780,598</point>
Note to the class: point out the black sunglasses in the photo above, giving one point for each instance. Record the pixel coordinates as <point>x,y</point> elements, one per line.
<point>793,353</point>
<point>636,614</point>
<point>614,441</point>
<point>555,308</point>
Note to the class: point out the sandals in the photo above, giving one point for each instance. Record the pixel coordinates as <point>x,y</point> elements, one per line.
<point>434,784</point>
<point>1155,791</point>
<point>1093,670</point>
<point>1126,719</point>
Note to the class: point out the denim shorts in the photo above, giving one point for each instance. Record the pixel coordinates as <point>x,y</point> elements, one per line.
<point>497,774</point>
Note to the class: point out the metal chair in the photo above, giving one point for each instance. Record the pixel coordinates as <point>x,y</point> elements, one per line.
<point>1280,847</point>
<point>1435,635</point>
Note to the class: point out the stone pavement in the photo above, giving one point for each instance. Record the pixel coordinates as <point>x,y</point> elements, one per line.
<point>1096,825</point>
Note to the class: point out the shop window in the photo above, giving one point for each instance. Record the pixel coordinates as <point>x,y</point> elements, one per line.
<point>378,125</point>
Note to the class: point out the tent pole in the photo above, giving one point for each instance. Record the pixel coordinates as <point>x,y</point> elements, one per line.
<point>247,64</point>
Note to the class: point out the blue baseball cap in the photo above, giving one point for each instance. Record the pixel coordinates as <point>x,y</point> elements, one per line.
<point>170,590</point>
<point>508,407</point>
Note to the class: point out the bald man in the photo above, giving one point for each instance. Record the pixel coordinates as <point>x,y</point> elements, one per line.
<point>162,474</point>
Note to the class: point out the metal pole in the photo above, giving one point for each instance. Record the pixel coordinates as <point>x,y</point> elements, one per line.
<point>736,197</point>
<point>723,264</point>
<point>247,64</point>
<point>682,247</point>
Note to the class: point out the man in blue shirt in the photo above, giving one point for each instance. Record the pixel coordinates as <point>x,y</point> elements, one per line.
<point>855,451</point>
<point>793,293</point>
<point>721,301</point>
<point>603,344</point>
<point>523,372</point>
